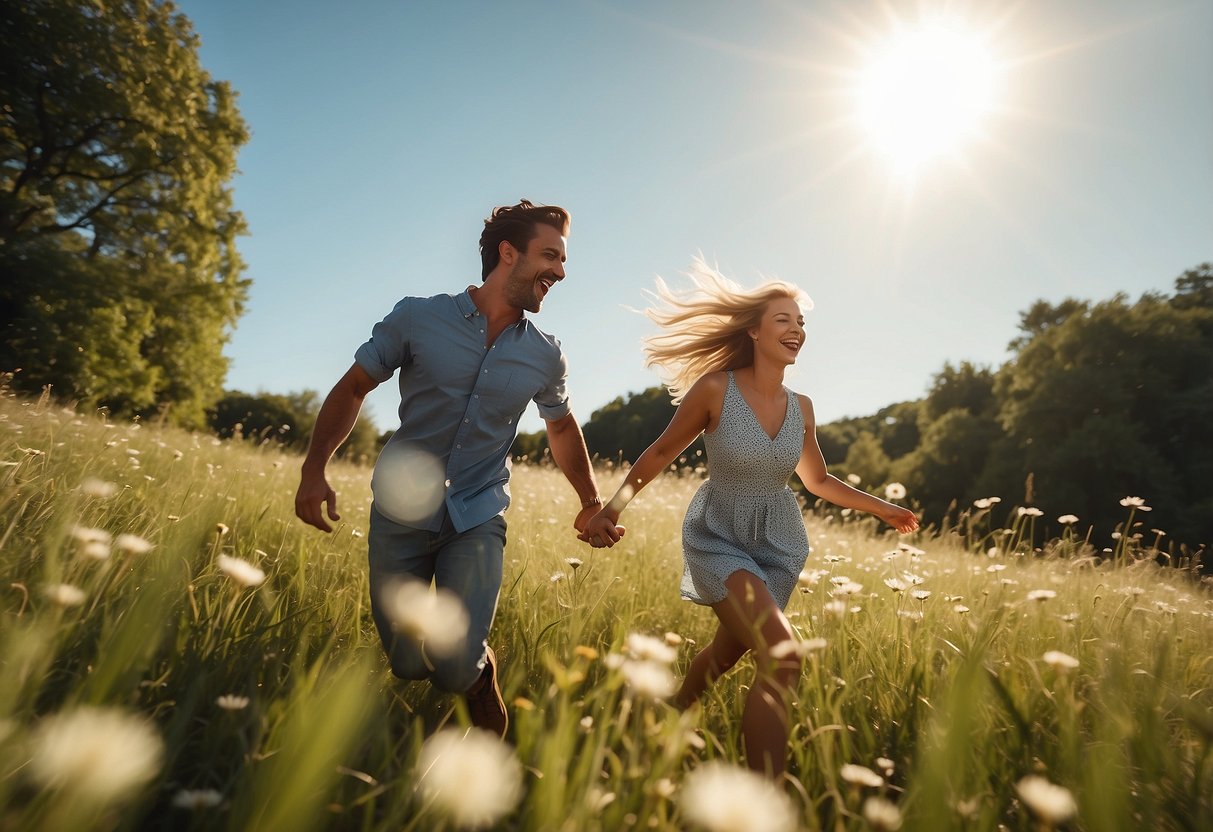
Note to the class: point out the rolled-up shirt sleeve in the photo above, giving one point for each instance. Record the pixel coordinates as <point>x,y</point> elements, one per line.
<point>553,400</point>
<point>388,348</point>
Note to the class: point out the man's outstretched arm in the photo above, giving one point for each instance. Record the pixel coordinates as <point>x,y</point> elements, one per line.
<point>570,454</point>
<point>333,425</point>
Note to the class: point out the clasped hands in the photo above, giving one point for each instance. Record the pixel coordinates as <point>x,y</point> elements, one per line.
<point>601,532</point>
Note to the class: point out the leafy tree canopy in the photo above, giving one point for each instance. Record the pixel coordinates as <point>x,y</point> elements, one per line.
<point>117,233</point>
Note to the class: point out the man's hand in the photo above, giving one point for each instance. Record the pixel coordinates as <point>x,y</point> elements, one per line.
<point>583,517</point>
<point>601,531</point>
<point>315,491</point>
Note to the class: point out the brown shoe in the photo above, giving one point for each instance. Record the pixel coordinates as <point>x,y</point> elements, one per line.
<point>485,705</point>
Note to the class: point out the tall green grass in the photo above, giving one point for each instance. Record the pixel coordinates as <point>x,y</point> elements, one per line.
<point>948,697</point>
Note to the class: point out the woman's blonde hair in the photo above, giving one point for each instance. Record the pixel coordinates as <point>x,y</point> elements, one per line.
<point>707,327</point>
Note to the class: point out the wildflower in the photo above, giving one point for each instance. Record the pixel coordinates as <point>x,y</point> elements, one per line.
<point>523,704</point>
<point>557,577</point>
<point>93,487</point>
<point>240,571</point>
<point>1030,511</point>
<point>861,776</point>
<point>647,648</point>
<point>1067,519</point>
<point>92,543</point>
<point>835,608</point>
<point>886,764</point>
<point>895,584</point>
<point>585,652</point>
<point>1060,661</point>
<point>586,723</point>
<point>471,778</point>
<point>1052,804</point>
<point>133,544</point>
<point>232,702</point>
<point>987,502</point>
<point>649,680</point>
<point>960,609</point>
<point>574,562</point>
<point>100,754</point>
<point>881,814</point>
<point>796,647</point>
<point>913,615</point>
<point>724,798</point>
<point>1133,502</point>
<point>65,595</point>
<point>894,491</point>
<point>809,578</point>
<point>847,588</point>
<point>912,551</point>
<point>921,594</point>
<point>854,479</point>
<point>996,567</point>
<point>673,639</point>
<point>196,799</point>
<point>664,788</point>
<point>1041,595</point>
<point>221,529</point>
<point>436,619</point>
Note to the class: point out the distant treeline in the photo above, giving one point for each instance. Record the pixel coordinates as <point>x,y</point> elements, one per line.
<point>1098,402</point>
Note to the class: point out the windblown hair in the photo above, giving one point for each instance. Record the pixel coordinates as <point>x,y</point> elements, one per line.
<point>516,224</point>
<point>707,327</point>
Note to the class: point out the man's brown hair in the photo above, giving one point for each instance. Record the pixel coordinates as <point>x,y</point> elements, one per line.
<point>516,224</point>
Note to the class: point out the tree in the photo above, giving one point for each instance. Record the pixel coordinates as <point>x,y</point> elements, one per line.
<point>288,420</point>
<point>117,233</point>
<point>866,460</point>
<point>624,428</point>
<point>1115,399</point>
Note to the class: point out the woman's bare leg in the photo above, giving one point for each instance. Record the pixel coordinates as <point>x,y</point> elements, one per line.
<point>709,664</point>
<point>751,617</point>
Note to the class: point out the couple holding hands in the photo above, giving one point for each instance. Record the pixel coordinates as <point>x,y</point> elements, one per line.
<point>470,363</point>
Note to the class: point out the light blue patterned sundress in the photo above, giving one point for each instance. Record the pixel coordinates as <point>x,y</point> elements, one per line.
<point>745,516</point>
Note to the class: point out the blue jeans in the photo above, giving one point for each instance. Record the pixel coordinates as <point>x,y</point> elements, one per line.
<point>466,563</point>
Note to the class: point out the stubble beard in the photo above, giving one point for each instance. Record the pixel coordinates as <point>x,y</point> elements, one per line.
<point>520,289</point>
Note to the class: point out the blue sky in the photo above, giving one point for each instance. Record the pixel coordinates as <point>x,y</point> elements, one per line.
<point>384,132</point>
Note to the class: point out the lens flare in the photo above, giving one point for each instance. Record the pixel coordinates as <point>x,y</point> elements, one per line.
<point>408,483</point>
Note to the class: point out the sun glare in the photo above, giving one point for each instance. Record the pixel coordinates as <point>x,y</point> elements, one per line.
<point>924,92</point>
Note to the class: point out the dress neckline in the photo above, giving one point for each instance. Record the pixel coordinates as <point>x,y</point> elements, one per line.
<point>754,415</point>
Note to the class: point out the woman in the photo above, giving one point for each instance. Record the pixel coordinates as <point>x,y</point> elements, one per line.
<point>724,351</point>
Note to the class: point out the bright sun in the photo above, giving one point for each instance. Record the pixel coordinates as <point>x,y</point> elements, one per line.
<point>924,92</point>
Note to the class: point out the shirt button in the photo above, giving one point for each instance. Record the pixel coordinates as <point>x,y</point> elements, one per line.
<point>475,395</point>
<point>465,421</point>
<point>486,372</point>
<point>458,446</point>
<point>448,483</point>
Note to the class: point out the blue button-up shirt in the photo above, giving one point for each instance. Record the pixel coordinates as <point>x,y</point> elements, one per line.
<point>460,399</point>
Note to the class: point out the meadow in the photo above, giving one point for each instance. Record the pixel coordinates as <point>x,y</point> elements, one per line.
<point>179,652</point>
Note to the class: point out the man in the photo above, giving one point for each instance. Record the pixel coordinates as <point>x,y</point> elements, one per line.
<point>469,363</point>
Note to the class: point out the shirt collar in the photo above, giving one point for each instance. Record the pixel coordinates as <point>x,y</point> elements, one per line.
<point>467,306</point>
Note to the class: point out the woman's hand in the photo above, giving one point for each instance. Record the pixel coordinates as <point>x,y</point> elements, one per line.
<point>900,518</point>
<point>601,532</point>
